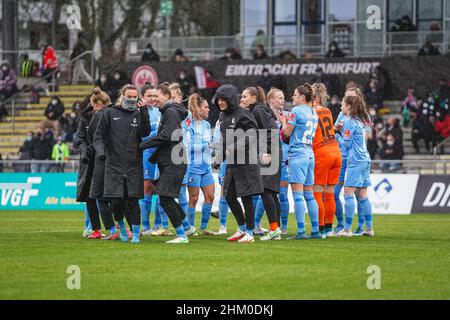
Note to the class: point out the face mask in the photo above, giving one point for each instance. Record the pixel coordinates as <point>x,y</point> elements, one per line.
<point>265,74</point>
<point>129,104</point>
<point>148,50</point>
<point>182,76</point>
<point>29,138</point>
<point>390,143</point>
<point>425,112</point>
<point>54,102</point>
<point>5,69</point>
<point>373,113</point>
<point>73,115</point>
<point>102,79</point>
<point>117,76</point>
<point>333,48</point>
<point>380,126</point>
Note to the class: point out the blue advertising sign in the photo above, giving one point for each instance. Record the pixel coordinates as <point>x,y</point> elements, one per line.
<point>40,191</point>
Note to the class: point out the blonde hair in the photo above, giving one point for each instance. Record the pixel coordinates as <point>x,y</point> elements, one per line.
<point>320,91</point>
<point>123,90</point>
<point>195,102</point>
<point>175,88</point>
<point>272,93</point>
<point>99,96</point>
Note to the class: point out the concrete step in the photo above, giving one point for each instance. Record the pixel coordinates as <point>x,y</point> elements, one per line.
<point>35,119</point>
<point>19,125</point>
<point>9,138</point>
<point>8,150</point>
<point>32,113</point>
<point>76,87</point>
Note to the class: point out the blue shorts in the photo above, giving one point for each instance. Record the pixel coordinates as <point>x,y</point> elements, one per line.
<point>301,170</point>
<point>358,176</point>
<point>222,171</point>
<point>186,177</point>
<point>200,180</point>
<point>343,170</point>
<point>149,168</point>
<point>284,176</point>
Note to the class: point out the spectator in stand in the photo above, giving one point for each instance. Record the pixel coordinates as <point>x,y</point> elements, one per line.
<point>287,55</point>
<point>408,104</point>
<point>186,83</point>
<point>260,53</point>
<point>50,64</point>
<point>25,153</point>
<point>266,81</point>
<point>429,105</point>
<point>391,150</point>
<point>53,113</point>
<point>105,83</point>
<point>442,128</point>
<point>8,81</point>
<point>178,56</point>
<point>120,79</point>
<point>374,95</point>
<point>231,54</point>
<point>421,129</point>
<point>150,54</point>
<point>28,67</point>
<point>69,124</point>
<point>60,152</point>
<point>334,51</point>
<point>320,77</point>
<point>79,68</point>
<point>335,107</point>
<point>41,149</point>
<point>260,39</point>
<point>443,92</point>
<point>404,25</point>
<point>373,137</point>
<point>428,50</point>
<point>3,112</point>
<point>436,35</point>
<point>393,128</point>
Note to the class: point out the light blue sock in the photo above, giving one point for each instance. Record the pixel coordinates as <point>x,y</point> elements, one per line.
<point>182,199</point>
<point>180,231</point>
<point>136,233</point>
<point>87,221</point>
<point>112,230</point>
<point>186,224</point>
<point>360,212</point>
<point>259,212</point>
<point>223,212</point>
<point>250,232</point>
<point>313,210</point>
<point>206,214</point>
<point>284,202</point>
<point>123,230</point>
<point>158,209</point>
<point>366,211</point>
<point>243,228</point>
<point>339,207</point>
<point>300,210</point>
<point>191,216</point>
<point>145,212</point>
<point>349,211</point>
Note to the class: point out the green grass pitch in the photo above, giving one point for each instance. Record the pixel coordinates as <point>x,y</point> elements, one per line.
<point>36,248</point>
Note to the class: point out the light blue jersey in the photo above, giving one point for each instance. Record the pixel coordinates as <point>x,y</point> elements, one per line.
<point>150,169</point>
<point>199,148</point>
<point>305,120</point>
<point>284,152</point>
<point>187,141</point>
<point>339,137</point>
<point>354,136</point>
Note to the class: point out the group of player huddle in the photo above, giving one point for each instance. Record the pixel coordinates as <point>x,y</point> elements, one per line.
<point>129,149</point>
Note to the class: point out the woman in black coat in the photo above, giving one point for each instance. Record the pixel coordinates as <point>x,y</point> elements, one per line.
<point>254,99</point>
<point>116,141</point>
<point>172,171</point>
<point>243,174</point>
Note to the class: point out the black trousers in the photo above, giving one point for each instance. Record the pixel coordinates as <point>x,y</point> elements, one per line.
<point>249,217</point>
<point>104,207</point>
<point>415,137</point>
<point>173,209</point>
<point>126,207</point>
<point>95,212</point>
<point>272,206</point>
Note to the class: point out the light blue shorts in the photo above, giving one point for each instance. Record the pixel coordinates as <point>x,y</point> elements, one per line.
<point>200,180</point>
<point>358,176</point>
<point>301,170</point>
<point>149,168</point>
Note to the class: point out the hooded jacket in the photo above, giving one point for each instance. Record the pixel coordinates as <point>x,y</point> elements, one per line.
<point>116,140</point>
<point>172,114</point>
<point>246,175</point>
<point>8,79</point>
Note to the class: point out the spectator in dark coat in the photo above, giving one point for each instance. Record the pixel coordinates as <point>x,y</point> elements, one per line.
<point>266,81</point>
<point>428,50</point>
<point>186,83</point>
<point>150,54</point>
<point>53,113</point>
<point>231,54</point>
<point>334,51</point>
<point>393,128</point>
<point>422,129</point>
<point>106,84</point>
<point>120,79</point>
<point>391,150</point>
<point>373,94</point>
<point>25,153</point>
<point>8,81</point>
<point>41,149</point>
<point>260,53</point>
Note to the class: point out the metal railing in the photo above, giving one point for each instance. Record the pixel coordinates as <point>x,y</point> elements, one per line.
<point>400,166</point>
<point>63,67</point>
<point>352,44</point>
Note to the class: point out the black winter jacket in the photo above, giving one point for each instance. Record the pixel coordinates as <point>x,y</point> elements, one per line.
<point>116,140</point>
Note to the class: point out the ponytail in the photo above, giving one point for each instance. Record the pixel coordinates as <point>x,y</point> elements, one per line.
<point>257,92</point>
<point>98,96</point>
<point>320,91</point>
<point>307,91</point>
